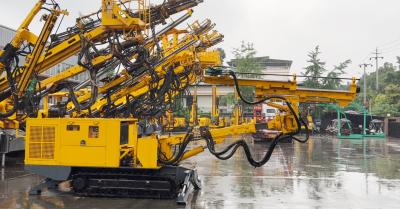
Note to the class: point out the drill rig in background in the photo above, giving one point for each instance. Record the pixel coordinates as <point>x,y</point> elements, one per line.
<point>279,94</point>
<point>104,139</point>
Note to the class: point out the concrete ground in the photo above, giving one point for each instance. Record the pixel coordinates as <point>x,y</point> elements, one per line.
<point>324,173</point>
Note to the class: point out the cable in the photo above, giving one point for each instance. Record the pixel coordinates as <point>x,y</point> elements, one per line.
<point>298,121</point>
<point>13,92</point>
<point>181,152</point>
<point>231,149</point>
<point>85,53</point>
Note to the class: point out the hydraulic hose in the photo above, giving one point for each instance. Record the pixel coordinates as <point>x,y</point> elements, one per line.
<point>85,53</point>
<point>14,95</point>
<point>231,149</point>
<point>10,54</point>
<point>298,120</point>
<point>93,98</point>
<point>181,152</point>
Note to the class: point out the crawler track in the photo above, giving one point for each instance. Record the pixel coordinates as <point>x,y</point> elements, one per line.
<point>153,184</point>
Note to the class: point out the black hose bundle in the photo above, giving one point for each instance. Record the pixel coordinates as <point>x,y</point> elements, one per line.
<point>178,154</point>
<point>94,93</point>
<point>10,54</point>
<point>299,120</point>
<point>231,149</point>
<point>158,97</point>
<point>85,54</point>
<point>13,93</point>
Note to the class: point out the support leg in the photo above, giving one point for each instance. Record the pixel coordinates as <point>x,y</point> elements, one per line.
<point>3,160</point>
<point>191,183</point>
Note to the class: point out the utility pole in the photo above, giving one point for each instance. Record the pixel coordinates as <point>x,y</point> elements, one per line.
<point>365,65</point>
<point>377,57</point>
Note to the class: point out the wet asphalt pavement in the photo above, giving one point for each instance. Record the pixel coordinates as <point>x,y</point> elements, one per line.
<point>324,173</point>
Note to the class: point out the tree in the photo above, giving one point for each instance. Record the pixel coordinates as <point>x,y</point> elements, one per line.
<point>222,54</point>
<point>246,62</point>
<point>387,103</point>
<point>385,100</point>
<point>338,70</point>
<point>227,101</point>
<point>388,75</point>
<point>314,70</point>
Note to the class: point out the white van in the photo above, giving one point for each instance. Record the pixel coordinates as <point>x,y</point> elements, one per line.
<point>270,112</point>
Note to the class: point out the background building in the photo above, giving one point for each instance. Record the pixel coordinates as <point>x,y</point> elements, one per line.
<point>271,66</point>
<point>6,34</point>
<point>204,96</point>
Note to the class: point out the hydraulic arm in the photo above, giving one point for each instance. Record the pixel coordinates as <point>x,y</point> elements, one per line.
<point>9,60</point>
<point>181,54</point>
<point>91,59</point>
<point>287,91</point>
<point>83,39</point>
<point>9,52</point>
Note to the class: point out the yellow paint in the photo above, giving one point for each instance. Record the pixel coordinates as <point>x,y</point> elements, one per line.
<point>114,17</point>
<point>148,152</point>
<point>285,121</point>
<point>204,121</point>
<point>70,142</point>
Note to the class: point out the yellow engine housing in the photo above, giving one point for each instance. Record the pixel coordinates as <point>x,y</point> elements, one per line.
<point>81,142</point>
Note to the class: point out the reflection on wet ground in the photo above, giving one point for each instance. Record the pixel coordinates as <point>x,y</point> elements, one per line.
<point>325,173</point>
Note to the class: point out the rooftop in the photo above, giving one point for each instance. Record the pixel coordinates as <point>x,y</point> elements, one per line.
<point>266,61</point>
<point>7,28</point>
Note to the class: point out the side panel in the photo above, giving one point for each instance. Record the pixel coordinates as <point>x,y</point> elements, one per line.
<point>83,156</point>
<point>42,142</point>
<point>73,142</point>
<point>83,143</point>
<point>113,143</point>
<point>84,134</point>
<point>147,152</point>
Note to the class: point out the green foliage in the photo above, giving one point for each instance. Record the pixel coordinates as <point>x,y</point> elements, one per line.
<point>382,105</point>
<point>337,72</point>
<point>387,102</point>
<point>387,75</point>
<point>386,99</point>
<point>179,109</point>
<point>245,62</point>
<point>222,54</point>
<point>228,100</point>
<point>314,70</point>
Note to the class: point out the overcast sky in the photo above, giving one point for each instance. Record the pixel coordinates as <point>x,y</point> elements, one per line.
<point>281,29</point>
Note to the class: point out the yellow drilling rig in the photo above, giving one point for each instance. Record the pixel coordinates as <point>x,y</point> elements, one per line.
<point>105,138</point>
